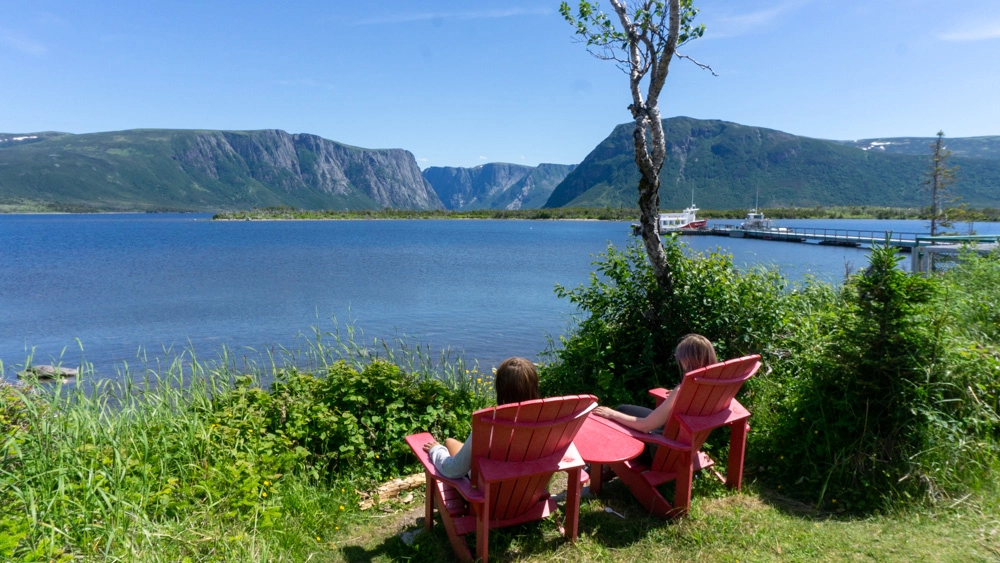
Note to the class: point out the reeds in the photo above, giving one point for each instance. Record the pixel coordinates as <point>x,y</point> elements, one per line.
<point>146,465</point>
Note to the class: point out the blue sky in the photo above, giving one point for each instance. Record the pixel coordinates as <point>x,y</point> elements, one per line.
<point>461,83</point>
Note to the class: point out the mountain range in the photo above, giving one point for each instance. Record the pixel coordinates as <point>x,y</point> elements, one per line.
<point>725,165</point>
<point>496,185</point>
<point>721,165</point>
<point>161,169</point>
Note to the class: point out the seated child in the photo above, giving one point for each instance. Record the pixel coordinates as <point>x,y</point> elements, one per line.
<point>693,352</point>
<point>516,381</point>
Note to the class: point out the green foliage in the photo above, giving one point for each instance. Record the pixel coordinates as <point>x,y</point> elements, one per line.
<point>880,399</point>
<point>347,422</point>
<point>290,213</point>
<point>107,469</point>
<point>624,346</point>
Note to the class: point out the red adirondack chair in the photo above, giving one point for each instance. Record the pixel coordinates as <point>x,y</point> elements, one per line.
<point>515,450</point>
<point>704,402</point>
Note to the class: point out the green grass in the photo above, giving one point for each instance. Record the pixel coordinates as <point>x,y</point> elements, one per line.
<point>723,526</point>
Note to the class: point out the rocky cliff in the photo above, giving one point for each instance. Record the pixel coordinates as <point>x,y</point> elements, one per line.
<point>496,185</point>
<point>207,170</point>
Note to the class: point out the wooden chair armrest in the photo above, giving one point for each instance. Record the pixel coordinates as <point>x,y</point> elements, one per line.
<point>660,394</point>
<point>646,437</point>
<point>734,413</point>
<point>463,484</point>
<point>492,471</point>
<point>660,440</point>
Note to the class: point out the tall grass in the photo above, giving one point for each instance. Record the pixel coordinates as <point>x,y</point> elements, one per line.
<point>194,458</point>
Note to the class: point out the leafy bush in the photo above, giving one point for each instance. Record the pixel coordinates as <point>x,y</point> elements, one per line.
<point>346,421</point>
<point>882,401</point>
<point>624,345</point>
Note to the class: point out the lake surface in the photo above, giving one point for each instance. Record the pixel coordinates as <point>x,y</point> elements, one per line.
<point>126,283</point>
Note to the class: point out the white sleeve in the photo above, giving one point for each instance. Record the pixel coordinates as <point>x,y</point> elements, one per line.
<point>453,467</point>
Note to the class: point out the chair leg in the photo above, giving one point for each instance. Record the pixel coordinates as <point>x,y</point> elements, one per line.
<point>737,450</point>
<point>683,485</point>
<point>573,503</point>
<point>458,543</point>
<point>483,525</point>
<point>646,494</point>
<point>596,478</point>
<point>429,501</point>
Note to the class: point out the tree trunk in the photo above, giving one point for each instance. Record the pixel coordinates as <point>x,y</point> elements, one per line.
<point>649,203</point>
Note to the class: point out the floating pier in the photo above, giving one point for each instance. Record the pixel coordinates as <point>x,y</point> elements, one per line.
<point>923,247</point>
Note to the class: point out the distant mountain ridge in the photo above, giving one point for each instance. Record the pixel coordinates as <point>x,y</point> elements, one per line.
<point>207,171</point>
<point>725,164</point>
<point>497,185</point>
<point>722,164</point>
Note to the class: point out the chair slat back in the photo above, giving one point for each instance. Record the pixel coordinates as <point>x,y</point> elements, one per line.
<point>521,432</point>
<point>703,392</point>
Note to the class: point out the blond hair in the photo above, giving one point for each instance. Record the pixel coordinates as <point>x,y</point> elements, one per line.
<point>694,351</point>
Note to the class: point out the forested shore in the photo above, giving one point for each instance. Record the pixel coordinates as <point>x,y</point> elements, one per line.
<point>605,213</point>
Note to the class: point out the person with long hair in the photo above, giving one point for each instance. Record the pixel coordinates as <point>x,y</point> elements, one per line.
<point>516,381</point>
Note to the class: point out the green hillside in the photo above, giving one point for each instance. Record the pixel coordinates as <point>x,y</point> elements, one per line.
<point>152,169</point>
<point>726,164</point>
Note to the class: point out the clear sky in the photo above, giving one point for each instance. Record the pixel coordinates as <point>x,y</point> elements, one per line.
<point>462,82</point>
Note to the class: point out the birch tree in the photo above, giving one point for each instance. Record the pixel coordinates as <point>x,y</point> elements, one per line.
<point>642,38</point>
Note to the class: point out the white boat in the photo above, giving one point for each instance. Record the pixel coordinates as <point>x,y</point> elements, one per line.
<point>687,219</point>
<point>756,221</point>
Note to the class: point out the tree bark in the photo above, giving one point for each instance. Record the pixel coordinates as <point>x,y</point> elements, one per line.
<point>644,58</point>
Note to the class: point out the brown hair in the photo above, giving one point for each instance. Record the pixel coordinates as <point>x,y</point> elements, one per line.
<point>694,351</point>
<point>516,381</point>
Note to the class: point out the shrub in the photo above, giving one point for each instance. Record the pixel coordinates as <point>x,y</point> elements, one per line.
<point>624,345</point>
<point>346,421</point>
<point>874,403</point>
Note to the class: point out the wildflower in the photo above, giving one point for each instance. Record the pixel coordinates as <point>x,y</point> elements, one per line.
<point>318,539</point>
<point>803,419</point>
<point>376,456</point>
<point>834,501</point>
<point>264,494</point>
<point>336,527</point>
<point>341,507</point>
<point>250,430</point>
<point>781,457</point>
<point>343,490</point>
<point>815,431</point>
<point>267,483</point>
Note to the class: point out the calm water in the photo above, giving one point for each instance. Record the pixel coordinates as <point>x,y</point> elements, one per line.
<point>131,282</point>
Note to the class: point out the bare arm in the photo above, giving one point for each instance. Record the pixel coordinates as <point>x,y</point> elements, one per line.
<point>654,420</point>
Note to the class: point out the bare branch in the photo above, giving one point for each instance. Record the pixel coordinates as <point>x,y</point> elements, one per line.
<point>702,66</point>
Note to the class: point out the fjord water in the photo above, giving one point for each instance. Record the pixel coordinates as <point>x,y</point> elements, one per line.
<point>126,284</point>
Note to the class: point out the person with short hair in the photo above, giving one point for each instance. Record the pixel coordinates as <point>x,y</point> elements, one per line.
<point>516,381</point>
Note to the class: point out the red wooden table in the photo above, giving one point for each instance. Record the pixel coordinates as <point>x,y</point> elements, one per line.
<point>601,441</point>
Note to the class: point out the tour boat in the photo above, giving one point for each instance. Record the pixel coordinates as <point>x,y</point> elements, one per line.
<point>673,222</point>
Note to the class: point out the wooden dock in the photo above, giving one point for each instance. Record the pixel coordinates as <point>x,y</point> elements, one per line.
<point>922,246</point>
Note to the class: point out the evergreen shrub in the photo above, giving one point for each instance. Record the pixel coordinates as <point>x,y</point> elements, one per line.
<point>881,397</point>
